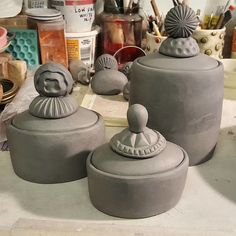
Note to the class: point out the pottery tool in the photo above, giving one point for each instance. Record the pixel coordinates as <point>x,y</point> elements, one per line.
<point>186,2</point>
<point>156,10</point>
<point>175,3</point>
<point>156,29</point>
<point>227,16</point>
<point>210,21</point>
<point>112,6</point>
<point>126,4</point>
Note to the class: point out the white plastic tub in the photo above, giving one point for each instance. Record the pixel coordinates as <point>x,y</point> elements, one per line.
<point>82,46</point>
<point>79,15</point>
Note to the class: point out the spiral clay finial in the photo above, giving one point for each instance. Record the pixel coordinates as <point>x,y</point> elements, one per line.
<point>181,21</point>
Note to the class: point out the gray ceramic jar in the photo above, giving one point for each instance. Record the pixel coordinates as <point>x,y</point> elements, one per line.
<point>138,174</point>
<point>181,88</point>
<point>50,142</point>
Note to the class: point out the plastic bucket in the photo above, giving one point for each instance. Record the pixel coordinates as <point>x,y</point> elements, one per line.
<point>79,15</point>
<point>82,46</point>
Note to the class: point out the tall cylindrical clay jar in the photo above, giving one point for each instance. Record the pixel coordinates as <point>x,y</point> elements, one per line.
<point>181,88</point>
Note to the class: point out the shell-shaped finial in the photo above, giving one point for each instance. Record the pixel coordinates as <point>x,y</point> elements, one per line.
<point>105,61</point>
<point>181,21</point>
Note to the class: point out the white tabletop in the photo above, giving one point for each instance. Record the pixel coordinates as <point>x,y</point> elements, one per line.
<point>207,207</point>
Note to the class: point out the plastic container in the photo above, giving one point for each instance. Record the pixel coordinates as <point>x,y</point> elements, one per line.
<point>24,46</point>
<point>82,46</point>
<point>52,42</point>
<point>79,15</point>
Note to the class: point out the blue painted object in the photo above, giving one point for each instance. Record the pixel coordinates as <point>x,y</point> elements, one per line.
<point>25,46</point>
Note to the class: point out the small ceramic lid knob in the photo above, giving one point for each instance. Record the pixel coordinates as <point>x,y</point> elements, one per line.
<point>54,83</point>
<point>138,141</point>
<point>137,116</point>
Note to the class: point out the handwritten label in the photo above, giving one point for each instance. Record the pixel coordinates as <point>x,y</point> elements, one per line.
<point>86,13</point>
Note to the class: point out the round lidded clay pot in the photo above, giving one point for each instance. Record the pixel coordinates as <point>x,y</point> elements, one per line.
<point>138,174</point>
<point>50,142</point>
<point>176,87</point>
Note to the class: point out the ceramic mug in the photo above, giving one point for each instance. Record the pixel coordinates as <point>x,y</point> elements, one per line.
<point>210,41</point>
<point>153,42</point>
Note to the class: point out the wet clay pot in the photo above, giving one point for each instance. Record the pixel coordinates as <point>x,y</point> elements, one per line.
<point>181,88</point>
<point>50,142</point>
<point>138,174</point>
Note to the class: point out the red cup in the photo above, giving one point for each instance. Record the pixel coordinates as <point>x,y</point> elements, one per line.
<point>128,53</point>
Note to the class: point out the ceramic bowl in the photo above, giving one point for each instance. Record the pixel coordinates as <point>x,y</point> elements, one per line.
<point>127,54</point>
<point>10,89</point>
<point>229,78</point>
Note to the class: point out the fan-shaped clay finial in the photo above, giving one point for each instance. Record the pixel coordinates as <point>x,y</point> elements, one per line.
<point>137,116</point>
<point>106,61</point>
<point>181,21</point>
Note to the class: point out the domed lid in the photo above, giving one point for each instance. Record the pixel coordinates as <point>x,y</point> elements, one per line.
<point>161,62</point>
<point>54,109</point>
<point>137,150</point>
<point>180,23</point>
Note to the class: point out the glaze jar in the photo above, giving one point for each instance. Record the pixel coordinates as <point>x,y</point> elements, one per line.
<point>50,142</point>
<point>120,30</point>
<point>138,174</point>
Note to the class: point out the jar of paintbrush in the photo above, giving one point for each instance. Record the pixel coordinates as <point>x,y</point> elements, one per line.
<point>121,25</point>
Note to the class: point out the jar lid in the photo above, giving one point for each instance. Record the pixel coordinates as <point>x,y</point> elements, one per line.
<point>81,119</point>
<point>138,141</point>
<point>138,150</point>
<point>54,109</point>
<point>159,61</point>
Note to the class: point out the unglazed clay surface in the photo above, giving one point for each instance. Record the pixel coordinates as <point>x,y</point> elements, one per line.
<point>50,142</point>
<point>108,82</point>
<point>178,96</point>
<point>79,71</point>
<point>126,91</point>
<point>129,187</point>
<point>104,62</point>
<point>183,93</point>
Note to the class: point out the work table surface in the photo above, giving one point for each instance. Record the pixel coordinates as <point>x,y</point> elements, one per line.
<point>207,206</point>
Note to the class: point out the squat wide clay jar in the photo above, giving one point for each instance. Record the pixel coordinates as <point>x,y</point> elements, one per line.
<point>182,89</point>
<point>138,174</point>
<point>50,142</point>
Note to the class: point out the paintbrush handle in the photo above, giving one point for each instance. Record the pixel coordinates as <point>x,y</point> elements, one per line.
<point>156,10</point>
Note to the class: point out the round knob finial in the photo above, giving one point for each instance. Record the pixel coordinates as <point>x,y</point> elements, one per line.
<point>181,21</point>
<point>53,80</point>
<point>137,116</point>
